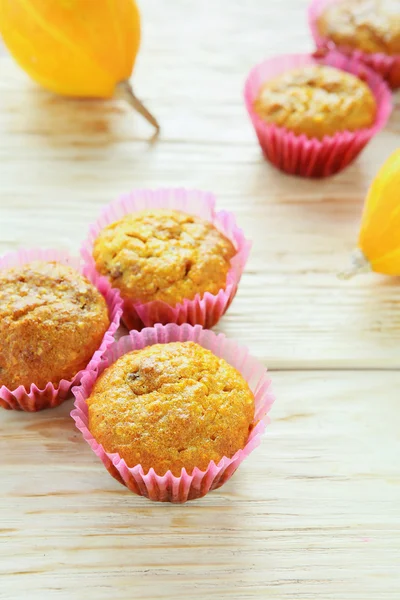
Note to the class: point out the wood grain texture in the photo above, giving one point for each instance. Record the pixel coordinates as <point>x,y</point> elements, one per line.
<point>314,512</point>
<point>62,160</point>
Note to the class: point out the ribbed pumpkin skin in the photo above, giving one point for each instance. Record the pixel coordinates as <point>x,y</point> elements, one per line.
<point>379,237</point>
<point>79,48</point>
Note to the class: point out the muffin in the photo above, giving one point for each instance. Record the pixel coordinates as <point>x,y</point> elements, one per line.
<point>367,25</point>
<point>317,101</point>
<point>52,320</point>
<point>163,255</point>
<point>171,406</point>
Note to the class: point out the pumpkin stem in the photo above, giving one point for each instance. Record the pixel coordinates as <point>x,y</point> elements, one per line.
<point>359,264</point>
<point>124,91</point>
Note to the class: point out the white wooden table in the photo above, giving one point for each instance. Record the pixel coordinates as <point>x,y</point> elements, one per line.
<point>315,511</point>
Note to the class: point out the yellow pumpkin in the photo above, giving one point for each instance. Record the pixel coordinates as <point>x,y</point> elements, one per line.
<point>379,238</point>
<point>81,48</point>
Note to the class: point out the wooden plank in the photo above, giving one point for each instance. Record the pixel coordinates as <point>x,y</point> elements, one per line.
<point>313,513</point>
<point>61,161</point>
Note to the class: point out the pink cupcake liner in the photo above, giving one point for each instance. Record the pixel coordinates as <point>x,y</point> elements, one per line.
<point>297,154</point>
<point>203,310</point>
<point>387,66</point>
<point>52,395</point>
<point>169,488</point>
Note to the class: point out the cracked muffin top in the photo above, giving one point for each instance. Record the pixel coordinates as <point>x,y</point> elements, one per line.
<point>52,320</point>
<point>171,406</point>
<point>367,25</point>
<point>316,100</point>
<point>163,255</point>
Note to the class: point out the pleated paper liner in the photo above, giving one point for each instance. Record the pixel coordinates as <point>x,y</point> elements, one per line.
<point>167,487</point>
<point>388,66</point>
<point>203,310</point>
<point>52,395</point>
<point>311,157</point>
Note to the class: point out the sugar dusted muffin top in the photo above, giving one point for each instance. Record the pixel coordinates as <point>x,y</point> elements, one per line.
<point>367,25</point>
<point>163,255</point>
<point>52,320</point>
<point>171,406</point>
<point>316,100</point>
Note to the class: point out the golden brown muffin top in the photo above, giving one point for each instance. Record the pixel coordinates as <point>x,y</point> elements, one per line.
<point>316,100</point>
<point>171,406</point>
<point>163,255</point>
<point>367,25</point>
<point>52,320</point>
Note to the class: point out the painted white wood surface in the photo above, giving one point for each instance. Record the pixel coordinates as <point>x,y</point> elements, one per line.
<point>315,512</point>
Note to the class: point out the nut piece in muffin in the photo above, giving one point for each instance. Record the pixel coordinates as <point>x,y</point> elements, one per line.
<point>52,320</point>
<point>163,255</point>
<point>316,100</point>
<point>367,25</point>
<point>171,406</point>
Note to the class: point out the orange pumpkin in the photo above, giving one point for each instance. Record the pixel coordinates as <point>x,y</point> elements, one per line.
<point>81,48</point>
<point>379,238</point>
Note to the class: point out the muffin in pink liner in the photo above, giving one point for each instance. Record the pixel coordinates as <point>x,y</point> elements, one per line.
<point>312,157</point>
<point>167,487</point>
<point>388,66</point>
<point>205,310</point>
<point>51,395</point>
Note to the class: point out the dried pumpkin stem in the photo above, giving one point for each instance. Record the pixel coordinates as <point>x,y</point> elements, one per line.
<point>124,91</point>
<point>360,264</point>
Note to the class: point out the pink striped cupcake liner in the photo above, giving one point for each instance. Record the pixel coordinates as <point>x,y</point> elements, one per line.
<point>388,66</point>
<point>167,487</point>
<point>310,157</point>
<point>52,395</point>
<point>203,310</point>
